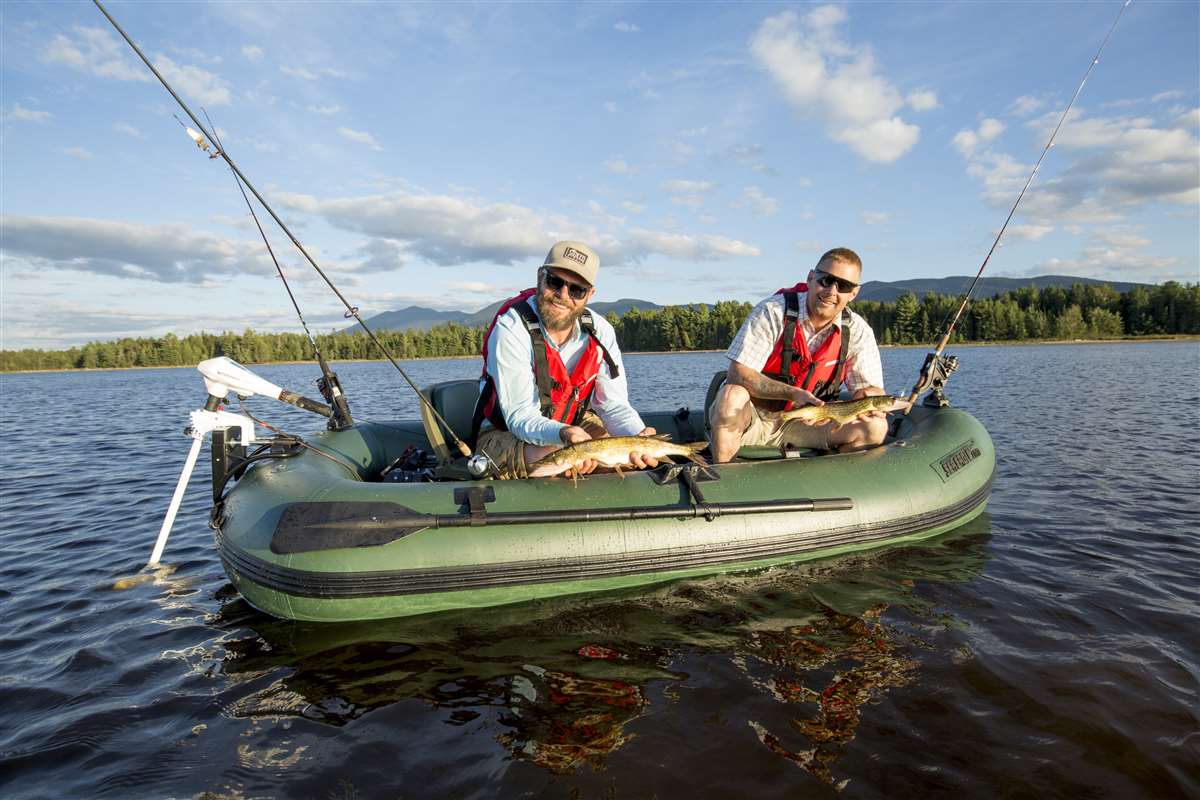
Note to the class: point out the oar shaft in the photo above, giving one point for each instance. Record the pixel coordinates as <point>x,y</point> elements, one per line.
<point>176,500</point>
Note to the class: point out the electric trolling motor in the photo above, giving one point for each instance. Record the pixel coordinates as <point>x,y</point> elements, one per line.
<point>221,376</point>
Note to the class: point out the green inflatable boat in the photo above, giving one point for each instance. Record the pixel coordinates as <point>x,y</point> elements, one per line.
<point>375,520</point>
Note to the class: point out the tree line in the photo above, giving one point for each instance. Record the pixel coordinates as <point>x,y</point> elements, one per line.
<point>1084,311</point>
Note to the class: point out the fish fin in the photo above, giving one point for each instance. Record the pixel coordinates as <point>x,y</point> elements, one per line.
<point>617,467</point>
<point>695,459</point>
<point>663,437</point>
<point>574,477</point>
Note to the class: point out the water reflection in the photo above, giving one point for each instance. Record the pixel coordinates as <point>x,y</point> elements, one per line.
<point>565,684</point>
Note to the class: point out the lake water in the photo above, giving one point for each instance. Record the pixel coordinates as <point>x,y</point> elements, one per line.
<point>1050,648</point>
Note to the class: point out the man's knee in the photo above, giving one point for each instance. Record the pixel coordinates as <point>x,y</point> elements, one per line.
<point>860,434</point>
<point>730,405</point>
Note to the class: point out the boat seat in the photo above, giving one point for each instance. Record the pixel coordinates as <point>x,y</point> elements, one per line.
<point>714,386</point>
<point>455,402</point>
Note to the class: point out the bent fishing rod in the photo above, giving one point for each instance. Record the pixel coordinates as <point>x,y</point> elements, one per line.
<point>351,310</point>
<point>932,362</point>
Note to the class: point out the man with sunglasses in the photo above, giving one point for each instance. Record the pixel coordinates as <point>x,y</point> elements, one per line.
<point>797,348</point>
<point>552,372</point>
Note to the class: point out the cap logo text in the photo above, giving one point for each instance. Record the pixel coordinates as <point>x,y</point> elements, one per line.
<point>575,255</point>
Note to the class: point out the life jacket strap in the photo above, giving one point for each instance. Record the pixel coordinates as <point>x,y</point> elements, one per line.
<point>541,366</point>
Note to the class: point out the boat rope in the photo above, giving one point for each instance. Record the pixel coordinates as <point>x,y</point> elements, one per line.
<point>351,310</point>
<point>996,242</point>
<point>300,442</point>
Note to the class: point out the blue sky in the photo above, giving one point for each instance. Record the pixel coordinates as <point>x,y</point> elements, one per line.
<point>429,154</point>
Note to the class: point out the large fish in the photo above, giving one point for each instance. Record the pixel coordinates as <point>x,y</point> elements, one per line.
<point>612,451</point>
<point>841,412</point>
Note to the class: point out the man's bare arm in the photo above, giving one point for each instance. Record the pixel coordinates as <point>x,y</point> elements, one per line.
<point>764,388</point>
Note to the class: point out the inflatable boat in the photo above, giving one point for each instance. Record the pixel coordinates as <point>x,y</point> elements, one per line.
<point>378,519</point>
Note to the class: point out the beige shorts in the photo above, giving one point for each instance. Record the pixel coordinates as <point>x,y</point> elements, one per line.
<point>508,452</point>
<point>764,432</point>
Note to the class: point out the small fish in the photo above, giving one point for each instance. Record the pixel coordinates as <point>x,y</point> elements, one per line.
<point>612,451</point>
<point>843,411</point>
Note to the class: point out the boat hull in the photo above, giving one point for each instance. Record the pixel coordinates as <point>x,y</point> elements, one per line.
<point>933,478</point>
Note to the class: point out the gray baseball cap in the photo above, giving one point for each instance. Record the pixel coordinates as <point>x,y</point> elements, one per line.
<point>576,257</point>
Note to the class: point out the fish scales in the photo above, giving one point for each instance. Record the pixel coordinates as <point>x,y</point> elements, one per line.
<point>613,451</point>
<point>843,411</point>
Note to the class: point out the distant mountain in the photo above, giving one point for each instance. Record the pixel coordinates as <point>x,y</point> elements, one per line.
<point>418,318</point>
<point>413,317</point>
<point>888,291</point>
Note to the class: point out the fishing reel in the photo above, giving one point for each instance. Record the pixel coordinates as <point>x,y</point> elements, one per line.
<point>934,373</point>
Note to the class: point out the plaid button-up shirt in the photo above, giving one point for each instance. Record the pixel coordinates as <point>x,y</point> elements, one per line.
<point>756,339</point>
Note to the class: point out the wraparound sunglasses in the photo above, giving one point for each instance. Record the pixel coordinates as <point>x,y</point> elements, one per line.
<point>825,279</point>
<point>555,283</point>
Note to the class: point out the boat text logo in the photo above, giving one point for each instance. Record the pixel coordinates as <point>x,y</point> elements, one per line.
<point>950,464</point>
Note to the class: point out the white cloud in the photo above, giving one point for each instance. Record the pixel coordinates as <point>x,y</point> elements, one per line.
<point>683,149</point>
<point>610,106</point>
<point>691,248</point>
<point>306,74</point>
<point>96,51</point>
<point>82,153</point>
<point>626,27</point>
<point>1187,119</point>
<point>923,100</point>
<point>325,111</point>
<point>127,129</point>
<point>1026,104</point>
<point>692,194</point>
<point>252,52</point>
<point>165,253</point>
<point>875,217</point>
<point>620,166</point>
<point>1116,254</point>
<point>28,115</point>
<point>967,140</point>
<point>1173,94</point>
<point>194,82</point>
<point>752,197</point>
<point>449,231</point>
<point>633,208</point>
<point>820,74</point>
<point>362,137</point>
<point>1029,233</point>
<point>1104,168</point>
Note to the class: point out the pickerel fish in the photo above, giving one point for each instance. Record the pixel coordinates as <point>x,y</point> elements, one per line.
<point>841,412</point>
<point>612,451</point>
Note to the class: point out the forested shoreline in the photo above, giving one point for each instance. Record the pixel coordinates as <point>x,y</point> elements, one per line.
<point>1081,312</point>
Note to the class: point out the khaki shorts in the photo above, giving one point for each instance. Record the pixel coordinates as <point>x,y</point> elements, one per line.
<point>796,434</point>
<point>507,452</point>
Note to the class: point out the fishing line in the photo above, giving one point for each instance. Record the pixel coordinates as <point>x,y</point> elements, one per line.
<point>996,243</point>
<point>271,251</point>
<point>351,310</point>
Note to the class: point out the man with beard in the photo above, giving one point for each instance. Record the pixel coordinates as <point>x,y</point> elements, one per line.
<point>797,348</point>
<point>552,372</point>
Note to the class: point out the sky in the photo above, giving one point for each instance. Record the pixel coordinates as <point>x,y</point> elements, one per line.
<point>430,153</point>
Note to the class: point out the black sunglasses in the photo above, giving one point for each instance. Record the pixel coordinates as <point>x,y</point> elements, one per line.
<point>825,279</point>
<point>555,284</point>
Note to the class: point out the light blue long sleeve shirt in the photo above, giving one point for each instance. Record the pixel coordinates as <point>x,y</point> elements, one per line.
<point>510,365</point>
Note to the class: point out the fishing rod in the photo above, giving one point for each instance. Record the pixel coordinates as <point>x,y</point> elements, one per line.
<point>330,386</point>
<point>351,310</point>
<point>936,368</point>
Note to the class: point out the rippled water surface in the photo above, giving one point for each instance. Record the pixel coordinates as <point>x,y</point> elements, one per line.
<point>1050,648</point>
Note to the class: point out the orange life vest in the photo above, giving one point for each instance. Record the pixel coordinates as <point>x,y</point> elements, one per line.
<point>563,396</point>
<point>821,372</point>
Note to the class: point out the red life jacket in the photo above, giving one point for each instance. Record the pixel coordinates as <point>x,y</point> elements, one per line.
<point>563,396</point>
<point>820,373</point>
